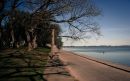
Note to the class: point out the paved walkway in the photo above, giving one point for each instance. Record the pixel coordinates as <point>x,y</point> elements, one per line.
<point>87,70</point>
<point>57,71</point>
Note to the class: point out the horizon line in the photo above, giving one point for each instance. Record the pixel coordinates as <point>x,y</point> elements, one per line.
<point>102,45</point>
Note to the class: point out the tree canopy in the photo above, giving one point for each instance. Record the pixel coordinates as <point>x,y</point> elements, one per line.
<point>31,21</point>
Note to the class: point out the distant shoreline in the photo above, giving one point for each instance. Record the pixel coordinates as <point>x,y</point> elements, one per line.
<point>100,46</point>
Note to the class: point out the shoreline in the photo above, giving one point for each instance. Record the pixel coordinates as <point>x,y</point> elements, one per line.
<point>85,68</point>
<point>104,62</point>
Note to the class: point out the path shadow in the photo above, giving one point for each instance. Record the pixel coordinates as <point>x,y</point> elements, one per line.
<point>57,68</point>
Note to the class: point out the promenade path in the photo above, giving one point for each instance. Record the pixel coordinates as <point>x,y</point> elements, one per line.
<point>86,70</point>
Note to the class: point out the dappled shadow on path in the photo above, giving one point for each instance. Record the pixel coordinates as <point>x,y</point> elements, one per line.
<point>57,72</point>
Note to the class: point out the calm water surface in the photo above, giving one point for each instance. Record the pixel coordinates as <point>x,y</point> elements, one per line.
<point>116,54</point>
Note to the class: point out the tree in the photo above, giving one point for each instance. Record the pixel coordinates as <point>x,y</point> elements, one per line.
<point>76,14</point>
<point>36,18</point>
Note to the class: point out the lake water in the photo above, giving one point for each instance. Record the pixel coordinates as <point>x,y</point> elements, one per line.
<point>115,54</point>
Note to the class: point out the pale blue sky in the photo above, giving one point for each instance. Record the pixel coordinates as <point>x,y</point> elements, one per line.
<point>114,23</point>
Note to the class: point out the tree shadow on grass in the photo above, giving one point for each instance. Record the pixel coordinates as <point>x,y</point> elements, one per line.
<point>22,66</point>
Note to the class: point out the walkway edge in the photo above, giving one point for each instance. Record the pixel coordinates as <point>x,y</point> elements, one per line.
<point>116,66</point>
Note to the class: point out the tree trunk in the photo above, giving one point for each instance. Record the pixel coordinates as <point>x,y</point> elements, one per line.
<point>29,47</point>
<point>34,44</point>
<point>17,44</point>
<point>12,37</point>
<point>31,40</point>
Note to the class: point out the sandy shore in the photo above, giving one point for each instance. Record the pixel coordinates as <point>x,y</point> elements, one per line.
<point>88,70</point>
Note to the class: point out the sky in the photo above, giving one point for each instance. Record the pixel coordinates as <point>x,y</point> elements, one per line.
<point>114,23</point>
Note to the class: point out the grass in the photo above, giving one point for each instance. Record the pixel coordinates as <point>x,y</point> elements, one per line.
<point>45,50</point>
<point>21,65</point>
